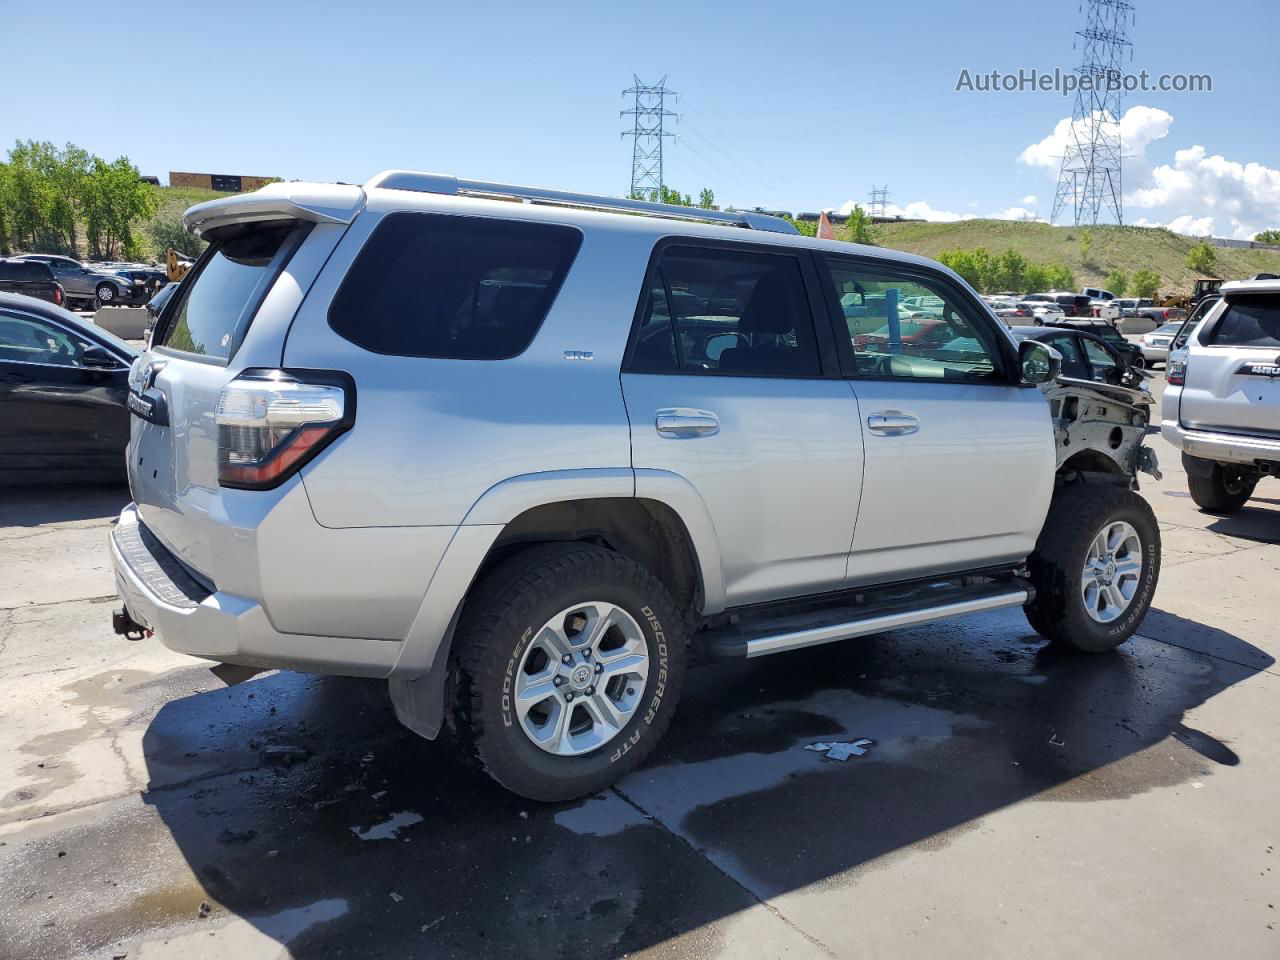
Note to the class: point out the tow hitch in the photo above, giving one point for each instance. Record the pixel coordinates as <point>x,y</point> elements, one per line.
<point>126,626</point>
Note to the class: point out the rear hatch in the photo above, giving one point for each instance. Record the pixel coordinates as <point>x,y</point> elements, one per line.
<point>231,313</point>
<point>1232,380</point>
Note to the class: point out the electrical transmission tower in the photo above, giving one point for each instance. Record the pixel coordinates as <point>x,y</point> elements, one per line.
<point>1089,181</point>
<point>879,201</point>
<point>650,112</point>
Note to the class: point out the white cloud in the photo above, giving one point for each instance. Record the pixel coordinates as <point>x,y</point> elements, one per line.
<point>1030,200</point>
<point>1213,194</point>
<point>916,210</point>
<point>1019,213</point>
<point>1197,194</point>
<point>1139,127</point>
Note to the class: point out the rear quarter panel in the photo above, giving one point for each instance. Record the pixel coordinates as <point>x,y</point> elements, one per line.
<point>431,435</point>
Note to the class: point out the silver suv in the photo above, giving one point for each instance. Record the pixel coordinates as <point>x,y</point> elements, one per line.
<point>1222,404</point>
<point>526,453</point>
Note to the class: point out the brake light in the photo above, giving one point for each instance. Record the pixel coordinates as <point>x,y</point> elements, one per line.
<point>1176,375</point>
<point>1166,314</point>
<point>57,296</point>
<point>272,422</point>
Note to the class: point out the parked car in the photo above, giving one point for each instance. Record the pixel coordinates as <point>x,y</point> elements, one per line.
<point>479,449</point>
<point>1130,305</point>
<point>85,286</point>
<point>1097,293</point>
<point>63,389</point>
<point>144,283</point>
<point>1085,356</point>
<point>30,279</point>
<point>1221,406</point>
<point>1040,311</point>
<point>1129,351</point>
<point>1071,304</point>
<point>1155,345</point>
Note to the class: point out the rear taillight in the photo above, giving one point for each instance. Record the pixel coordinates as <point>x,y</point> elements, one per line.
<point>271,422</point>
<point>1177,372</point>
<point>1166,314</point>
<point>57,296</point>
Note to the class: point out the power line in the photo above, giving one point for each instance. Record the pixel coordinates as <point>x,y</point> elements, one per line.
<point>647,135</point>
<point>1091,166</point>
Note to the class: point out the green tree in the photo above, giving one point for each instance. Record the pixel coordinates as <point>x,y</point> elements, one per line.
<point>167,231</point>
<point>1060,277</point>
<point>974,266</point>
<point>1035,278</point>
<point>115,199</point>
<point>1268,236</point>
<point>1144,283</point>
<point>806,228</point>
<point>707,199</point>
<point>1007,271</point>
<point>1117,282</point>
<point>859,226</point>
<point>1086,244</point>
<point>1202,258</point>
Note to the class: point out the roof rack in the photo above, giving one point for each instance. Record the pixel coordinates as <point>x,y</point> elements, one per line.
<point>452,186</point>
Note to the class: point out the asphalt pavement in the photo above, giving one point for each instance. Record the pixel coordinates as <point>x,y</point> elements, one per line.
<point>1011,801</point>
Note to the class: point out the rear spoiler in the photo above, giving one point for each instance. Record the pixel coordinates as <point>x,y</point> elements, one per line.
<point>312,202</point>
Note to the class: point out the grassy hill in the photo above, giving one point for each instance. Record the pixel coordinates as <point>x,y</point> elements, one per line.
<point>1124,248</point>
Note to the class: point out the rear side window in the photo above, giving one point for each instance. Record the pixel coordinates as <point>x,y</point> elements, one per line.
<point>25,270</point>
<point>460,288</point>
<point>1249,322</point>
<point>713,311</point>
<point>216,309</point>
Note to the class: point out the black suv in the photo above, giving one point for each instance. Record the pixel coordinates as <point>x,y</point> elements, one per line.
<point>32,278</point>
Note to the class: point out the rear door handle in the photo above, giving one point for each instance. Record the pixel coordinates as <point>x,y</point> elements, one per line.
<point>682,423</point>
<point>893,423</point>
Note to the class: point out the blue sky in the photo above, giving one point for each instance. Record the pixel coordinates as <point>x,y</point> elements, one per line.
<point>795,106</point>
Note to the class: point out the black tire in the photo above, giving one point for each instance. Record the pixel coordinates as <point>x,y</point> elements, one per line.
<point>1224,490</point>
<point>498,624</point>
<point>1076,516</point>
<point>105,294</point>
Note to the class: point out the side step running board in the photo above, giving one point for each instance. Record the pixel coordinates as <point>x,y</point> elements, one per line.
<point>763,635</point>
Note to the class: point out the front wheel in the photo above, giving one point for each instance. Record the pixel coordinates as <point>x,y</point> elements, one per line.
<point>570,661</point>
<point>1095,567</point>
<point>106,294</point>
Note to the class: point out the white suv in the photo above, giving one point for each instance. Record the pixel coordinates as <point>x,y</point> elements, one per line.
<point>522,453</point>
<point>1222,404</point>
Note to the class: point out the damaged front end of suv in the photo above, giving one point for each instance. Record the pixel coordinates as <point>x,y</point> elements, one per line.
<point>1099,427</point>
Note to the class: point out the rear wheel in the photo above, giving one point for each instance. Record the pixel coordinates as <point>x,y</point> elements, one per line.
<point>570,663</point>
<point>1095,567</point>
<point>1224,488</point>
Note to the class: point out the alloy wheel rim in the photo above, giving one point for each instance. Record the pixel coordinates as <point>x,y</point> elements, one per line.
<point>1112,571</point>
<point>581,679</point>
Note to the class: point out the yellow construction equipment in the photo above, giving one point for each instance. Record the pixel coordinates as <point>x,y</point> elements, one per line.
<point>175,265</point>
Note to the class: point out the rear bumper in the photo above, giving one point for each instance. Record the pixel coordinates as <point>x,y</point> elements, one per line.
<point>189,618</point>
<point>1220,447</point>
<point>1155,353</point>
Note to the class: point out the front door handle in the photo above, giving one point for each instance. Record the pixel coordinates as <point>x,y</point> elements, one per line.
<point>682,423</point>
<point>893,423</point>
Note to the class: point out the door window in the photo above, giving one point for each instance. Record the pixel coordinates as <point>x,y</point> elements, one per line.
<point>714,311</point>
<point>905,326</point>
<point>1101,362</point>
<point>30,340</point>
<point>1073,362</point>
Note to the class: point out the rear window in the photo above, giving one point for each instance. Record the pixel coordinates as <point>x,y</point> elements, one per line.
<point>216,309</point>
<point>463,288</point>
<point>24,270</point>
<point>1249,322</point>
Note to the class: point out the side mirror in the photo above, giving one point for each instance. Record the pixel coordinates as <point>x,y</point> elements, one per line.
<point>1038,362</point>
<point>98,358</point>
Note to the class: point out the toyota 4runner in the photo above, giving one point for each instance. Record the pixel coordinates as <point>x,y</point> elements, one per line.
<point>525,454</point>
<point>1222,403</point>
